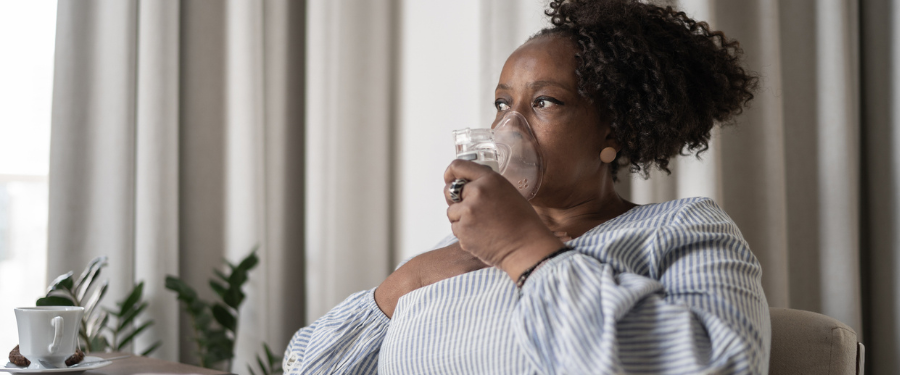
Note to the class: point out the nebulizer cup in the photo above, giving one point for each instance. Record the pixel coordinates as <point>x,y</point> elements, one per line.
<point>477,145</point>
<point>509,148</point>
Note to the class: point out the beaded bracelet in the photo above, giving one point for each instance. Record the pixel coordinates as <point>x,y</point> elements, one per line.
<point>530,270</point>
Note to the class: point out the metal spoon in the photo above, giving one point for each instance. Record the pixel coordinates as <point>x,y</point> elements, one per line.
<point>100,361</point>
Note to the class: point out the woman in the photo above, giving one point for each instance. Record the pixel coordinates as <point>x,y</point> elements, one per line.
<point>577,280</point>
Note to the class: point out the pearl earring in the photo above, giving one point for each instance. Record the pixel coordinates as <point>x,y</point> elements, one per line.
<point>608,155</point>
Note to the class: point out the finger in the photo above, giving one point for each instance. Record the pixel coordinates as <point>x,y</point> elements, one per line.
<point>455,212</point>
<point>450,202</point>
<point>466,170</point>
<point>455,231</point>
<point>447,197</point>
<point>461,190</point>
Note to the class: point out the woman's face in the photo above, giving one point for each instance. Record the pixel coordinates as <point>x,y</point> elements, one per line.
<point>539,81</point>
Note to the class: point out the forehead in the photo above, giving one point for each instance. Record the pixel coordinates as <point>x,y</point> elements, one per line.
<point>546,58</point>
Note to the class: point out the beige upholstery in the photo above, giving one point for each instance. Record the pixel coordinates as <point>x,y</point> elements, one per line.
<point>805,342</point>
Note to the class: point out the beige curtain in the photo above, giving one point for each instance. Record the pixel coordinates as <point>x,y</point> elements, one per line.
<point>879,224</point>
<point>350,132</point>
<point>177,131</point>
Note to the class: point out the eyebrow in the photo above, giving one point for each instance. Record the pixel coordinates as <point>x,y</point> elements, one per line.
<point>540,84</point>
<point>534,85</point>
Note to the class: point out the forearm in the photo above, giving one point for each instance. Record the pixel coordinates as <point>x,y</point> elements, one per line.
<point>400,282</point>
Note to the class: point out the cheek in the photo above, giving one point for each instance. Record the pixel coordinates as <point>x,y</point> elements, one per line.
<point>569,157</point>
<point>569,142</point>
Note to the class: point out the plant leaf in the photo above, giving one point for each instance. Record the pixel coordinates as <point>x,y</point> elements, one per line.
<point>87,270</point>
<point>218,288</point>
<point>63,281</point>
<point>95,299</point>
<point>269,354</point>
<point>132,298</point>
<point>224,317</point>
<point>110,312</point>
<point>89,276</point>
<point>250,261</point>
<point>220,274</point>
<point>153,347</point>
<point>234,297</point>
<point>202,321</point>
<point>239,273</point>
<point>184,291</point>
<point>134,333</point>
<point>251,370</point>
<point>262,365</point>
<point>197,307</point>
<point>99,343</point>
<point>219,346</point>
<point>126,320</point>
<point>97,324</point>
<point>54,301</point>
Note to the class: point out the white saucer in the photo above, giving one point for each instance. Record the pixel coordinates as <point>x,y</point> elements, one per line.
<point>38,369</point>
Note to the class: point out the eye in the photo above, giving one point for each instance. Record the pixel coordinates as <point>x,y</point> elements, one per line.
<point>501,105</point>
<point>544,102</point>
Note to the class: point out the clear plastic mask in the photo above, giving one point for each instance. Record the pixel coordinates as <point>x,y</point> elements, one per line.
<point>510,149</point>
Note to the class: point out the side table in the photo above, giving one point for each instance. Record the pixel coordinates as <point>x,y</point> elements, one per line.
<point>146,365</point>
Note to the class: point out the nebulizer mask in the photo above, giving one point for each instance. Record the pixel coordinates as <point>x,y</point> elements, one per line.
<point>510,149</point>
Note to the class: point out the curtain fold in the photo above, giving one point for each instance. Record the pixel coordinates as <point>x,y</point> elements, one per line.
<point>92,148</point>
<point>880,224</point>
<point>177,143</point>
<point>823,152</point>
<point>284,190</point>
<point>156,169</point>
<point>349,166</point>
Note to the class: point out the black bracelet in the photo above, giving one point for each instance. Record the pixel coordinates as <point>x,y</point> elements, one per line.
<point>530,270</point>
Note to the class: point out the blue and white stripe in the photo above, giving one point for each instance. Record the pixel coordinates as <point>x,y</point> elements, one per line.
<point>664,288</point>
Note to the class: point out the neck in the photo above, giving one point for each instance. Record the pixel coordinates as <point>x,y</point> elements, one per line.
<point>581,212</point>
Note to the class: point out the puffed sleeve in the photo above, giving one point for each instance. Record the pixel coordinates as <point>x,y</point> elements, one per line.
<point>693,304</point>
<point>344,341</point>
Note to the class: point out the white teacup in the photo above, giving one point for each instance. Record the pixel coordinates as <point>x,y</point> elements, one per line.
<point>48,333</point>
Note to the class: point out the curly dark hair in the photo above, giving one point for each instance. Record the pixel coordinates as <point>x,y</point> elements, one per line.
<point>661,79</point>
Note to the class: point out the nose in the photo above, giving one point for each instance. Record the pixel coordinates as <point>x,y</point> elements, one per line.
<point>522,106</point>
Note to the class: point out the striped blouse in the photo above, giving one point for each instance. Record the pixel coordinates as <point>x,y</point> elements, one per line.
<point>663,288</point>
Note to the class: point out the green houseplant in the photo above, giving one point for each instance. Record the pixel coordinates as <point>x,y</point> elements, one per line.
<point>271,364</point>
<point>95,332</point>
<point>215,324</point>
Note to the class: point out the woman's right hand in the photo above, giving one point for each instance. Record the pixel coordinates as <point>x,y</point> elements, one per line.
<point>425,269</point>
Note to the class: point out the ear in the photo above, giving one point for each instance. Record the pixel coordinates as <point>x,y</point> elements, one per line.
<point>609,149</point>
<point>609,138</point>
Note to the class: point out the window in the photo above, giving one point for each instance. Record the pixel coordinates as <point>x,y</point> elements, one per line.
<point>27,34</point>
